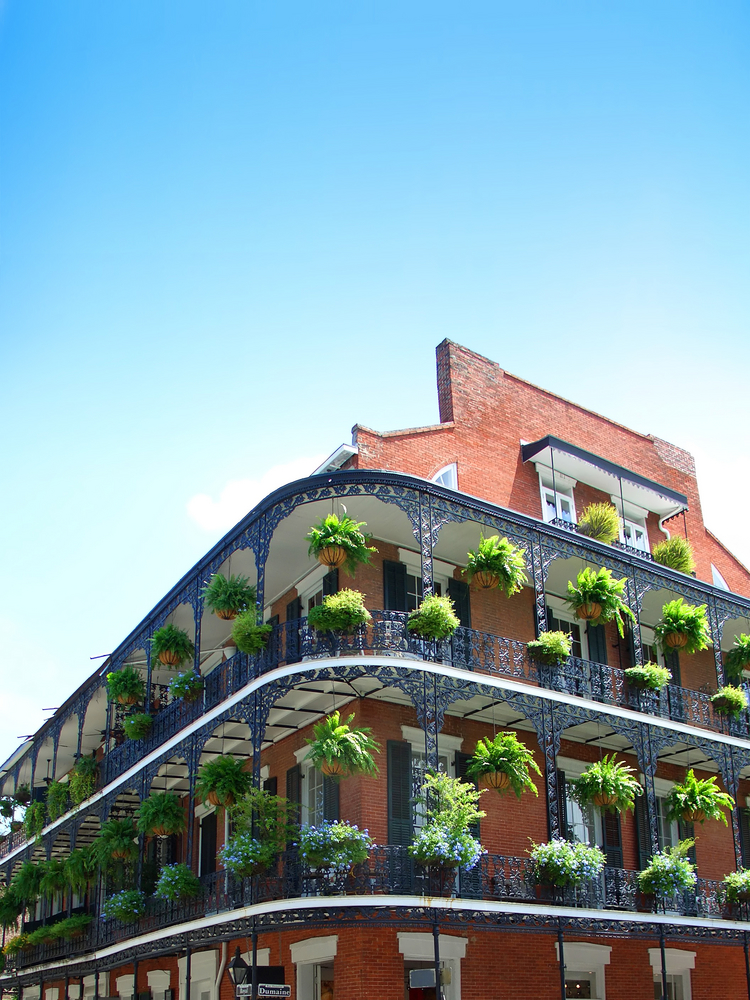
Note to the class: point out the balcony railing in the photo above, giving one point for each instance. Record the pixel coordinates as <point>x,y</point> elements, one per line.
<point>387,635</point>
<point>391,871</point>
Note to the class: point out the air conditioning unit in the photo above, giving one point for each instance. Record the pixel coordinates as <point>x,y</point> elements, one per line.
<point>424,979</point>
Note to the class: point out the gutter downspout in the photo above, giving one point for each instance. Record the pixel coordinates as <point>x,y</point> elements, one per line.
<point>222,965</point>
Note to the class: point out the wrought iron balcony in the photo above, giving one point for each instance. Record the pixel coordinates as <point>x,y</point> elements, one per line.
<point>390,871</point>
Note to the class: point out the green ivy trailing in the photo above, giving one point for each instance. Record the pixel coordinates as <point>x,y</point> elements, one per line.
<point>57,799</point>
<point>82,779</point>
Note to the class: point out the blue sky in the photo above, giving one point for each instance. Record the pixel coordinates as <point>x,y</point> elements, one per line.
<point>230,231</point>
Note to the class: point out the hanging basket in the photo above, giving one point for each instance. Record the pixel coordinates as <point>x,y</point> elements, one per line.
<point>333,769</point>
<point>127,699</point>
<point>676,640</point>
<point>694,815</point>
<point>589,612</point>
<point>486,580</point>
<point>160,831</point>
<point>603,800</point>
<point>168,658</point>
<point>213,799</point>
<point>497,779</point>
<point>228,615</point>
<point>332,556</point>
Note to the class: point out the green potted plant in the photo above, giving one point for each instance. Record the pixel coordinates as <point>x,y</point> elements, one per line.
<point>11,907</point>
<point>116,841</point>
<point>497,562</point>
<point>82,779</point>
<point>562,863</point>
<point>333,845</point>
<point>177,882</point>
<point>675,553</point>
<point>451,808</point>
<point>340,750</point>
<point>697,799</point>
<point>222,781</point>
<point>161,815</point>
<point>608,784</point>
<point>736,886</point>
<point>668,872</point>
<point>738,657</point>
<point>81,867</point>
<point>172,646</point>
<point>57,799</point>
<point>187,686</point>
<point>34,818</point>
<point>126,686</point>
<point>54,878</point>
<point>245,855</point>
<point>72,927</point>
<point>650,676</point>
<point>126,906</point>
<point>16,945</point>
<point>343,612</point>
<point>597,596</point>
<point>336,541</point>
<point>600,521</point>
<point>729,700</point>
<point>683,626</point>
<point>22,795</point>
<point>249,634</point>
<point>26,882</point>
<point>435,618</point>
<point>225,596</point>
<point>551,649</point>
<point>504,763</point>
<point>137,726</point>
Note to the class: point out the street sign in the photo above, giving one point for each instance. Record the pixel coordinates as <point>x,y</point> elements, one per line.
<point>264,990</point>
<point>244,990</point>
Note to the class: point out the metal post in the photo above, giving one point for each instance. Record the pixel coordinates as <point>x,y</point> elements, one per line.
<point>135,980</point>
<point>622,513</point>
<point>187,972</point>
<point>663,965</point>
<point>561,949</point>
<point>554,481</point>
<point>255,954</point>
<point>149,673</point>
<point>747,966</point>
<point>436,941</point>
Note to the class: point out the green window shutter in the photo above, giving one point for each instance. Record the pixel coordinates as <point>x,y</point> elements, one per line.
<point>745,837</point>
<point>462,762</point>
<point>394,586</point>
<point>294,610</point>
<point>400,820</point>
<point>597,643</point>
<point>294,792</point>
<point>270,785</point>
<point>672,661</point>
<point>293,614</point>
<point>612,837</point>
<point>643,835</point>
<point>208,844</point>
<point>331,583</point>
<point>330,799</point>
<point>630,640</point>
<point>458,591</point>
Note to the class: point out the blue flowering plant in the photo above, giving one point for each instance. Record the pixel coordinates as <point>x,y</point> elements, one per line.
<point>177,882</point>
<point>334,845</point>
<point>563,863</point>
<point>669,871</point>
<point>126,906</point>
<point>245,855</point>
<point>450,807</point>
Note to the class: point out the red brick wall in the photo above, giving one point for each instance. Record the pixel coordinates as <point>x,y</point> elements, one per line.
<point>487,412</point>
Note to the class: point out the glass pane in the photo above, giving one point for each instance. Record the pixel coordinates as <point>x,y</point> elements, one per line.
<point>314,796</point>
<point>578,988</point>
<point>565,508</point>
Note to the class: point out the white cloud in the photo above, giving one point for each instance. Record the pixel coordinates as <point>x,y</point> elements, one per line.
<point>240,495</point>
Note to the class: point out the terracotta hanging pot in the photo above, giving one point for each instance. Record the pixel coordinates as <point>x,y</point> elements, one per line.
<point>694,815</point>
<point>332,556</point>
<point>486,580</point>
<point>227,616</point>
<point>676,640</point>
<point>160,831</point>
<point>604,799</point>
<point>497,779</point>
<point>168,658</point>
<point>127,699</point>
<point>334,769</point>
<point>213,799</point>
<point>589,612</point>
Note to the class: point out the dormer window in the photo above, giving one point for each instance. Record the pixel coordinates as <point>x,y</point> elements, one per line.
<point>634,534</point>
<point>557,497</point>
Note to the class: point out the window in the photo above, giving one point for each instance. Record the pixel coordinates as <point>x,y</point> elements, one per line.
<point>447,476</point>
<point>317,795</point>
<point>718,579</point>
<point>418,952</point>
<point>679,963</point>
<point>314,958</point>
<point>584,969</point>
<point>402,580</point>
<point>559,619</point>
<point>556,504</point>
<point>634,535</point>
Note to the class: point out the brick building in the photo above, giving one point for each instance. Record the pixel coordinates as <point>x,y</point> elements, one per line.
<point>506,458</point>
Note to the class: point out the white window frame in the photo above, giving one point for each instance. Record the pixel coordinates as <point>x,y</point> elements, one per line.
<point>307,771</point>
<point>442,572</point>
<point>562,489</point>
<point>648,638</point>
<point>563,612</point>
<point>307,955</point>
<point>419,947</point>
<point>718,579</point>
<point>679,964</point>
<point>447,476</point>
<point>575,768</point>
<point>635,518</point>
<point>202,972</point>
<point>584,959</point>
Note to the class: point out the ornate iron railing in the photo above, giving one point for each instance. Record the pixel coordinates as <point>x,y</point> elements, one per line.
<point>391,871</point>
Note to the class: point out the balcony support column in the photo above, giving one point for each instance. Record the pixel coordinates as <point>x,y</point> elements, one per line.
<point>717,620</point>
<point>149,675</point>
<point>260,542</point>
<point>198,619</point>
<point>549,739</point>
<point>635,628</point>
<point>648,760</point>
<point>427,538</point>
